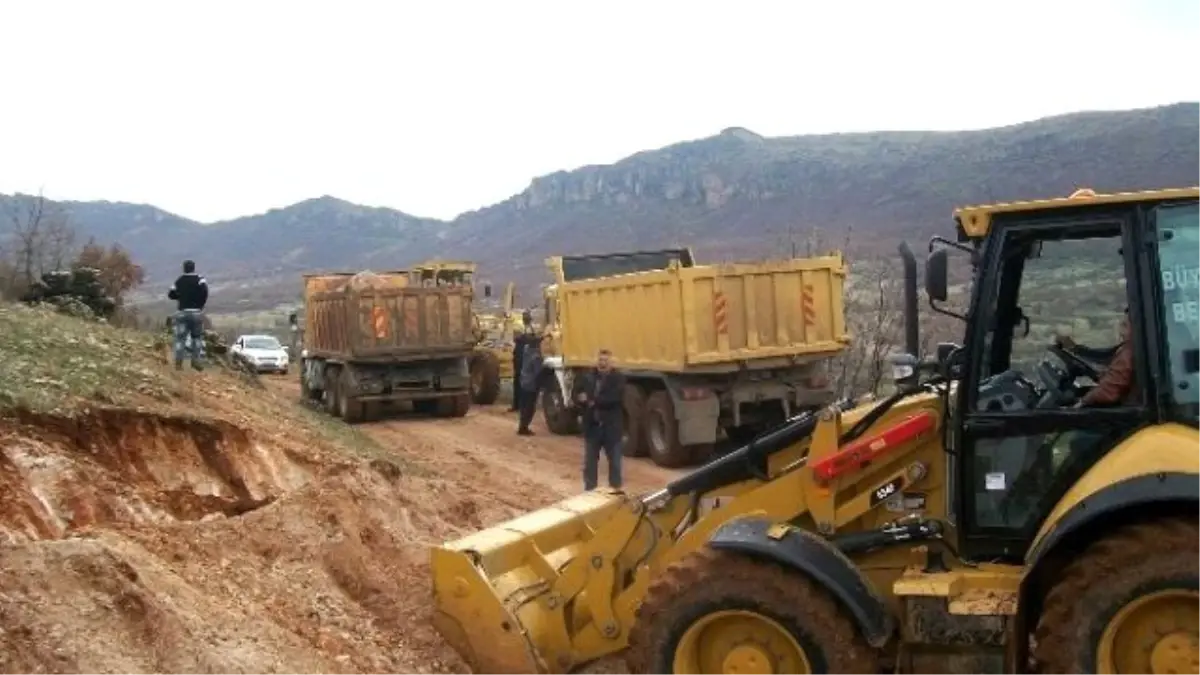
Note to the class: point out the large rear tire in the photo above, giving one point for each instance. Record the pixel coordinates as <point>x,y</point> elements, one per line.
<point>560,419</point>
<point>662,432</point>
<point>633,408</point>
<point>1129,604</point>
<point>350,409</point>
<point>717,611</point>
<point>330,392</point>
<point>485,377</point>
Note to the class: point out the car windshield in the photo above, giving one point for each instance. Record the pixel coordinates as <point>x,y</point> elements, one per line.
<point>262,343</point>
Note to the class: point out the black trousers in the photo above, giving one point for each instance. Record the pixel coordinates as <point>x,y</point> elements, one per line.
<point>528,406</point>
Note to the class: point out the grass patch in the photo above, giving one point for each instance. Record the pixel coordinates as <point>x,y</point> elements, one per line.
<point>53,363</point>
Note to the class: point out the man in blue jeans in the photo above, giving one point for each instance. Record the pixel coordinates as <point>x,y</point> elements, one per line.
<point>190,293</point>
<point>600,394</point>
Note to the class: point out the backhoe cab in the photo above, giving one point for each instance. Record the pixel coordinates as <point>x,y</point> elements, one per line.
<point>991,515</point>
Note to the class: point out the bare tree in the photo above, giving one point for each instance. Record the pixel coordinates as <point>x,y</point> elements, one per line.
<point>39,239</point>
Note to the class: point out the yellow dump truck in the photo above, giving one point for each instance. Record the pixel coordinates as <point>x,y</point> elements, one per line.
<point>386,337</point>
<point>733,347</point>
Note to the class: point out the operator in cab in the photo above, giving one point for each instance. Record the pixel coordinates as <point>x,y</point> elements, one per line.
<point>1117,383</point>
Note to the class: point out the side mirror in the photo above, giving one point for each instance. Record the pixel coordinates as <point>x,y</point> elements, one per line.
<point>487,290</point>
<point>292,320</point>
<point>936,283</point>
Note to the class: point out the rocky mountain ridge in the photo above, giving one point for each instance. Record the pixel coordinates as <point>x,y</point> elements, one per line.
<point>734,194</point>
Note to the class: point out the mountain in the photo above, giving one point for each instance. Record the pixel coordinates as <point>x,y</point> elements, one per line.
<point>735,194</point>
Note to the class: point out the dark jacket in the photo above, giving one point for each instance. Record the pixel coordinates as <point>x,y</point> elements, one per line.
<point>190,291</point>
<point>605,395</point>
<point>531,366</point>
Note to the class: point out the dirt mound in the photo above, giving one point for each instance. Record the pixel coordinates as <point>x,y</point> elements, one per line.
<point>142,543</point>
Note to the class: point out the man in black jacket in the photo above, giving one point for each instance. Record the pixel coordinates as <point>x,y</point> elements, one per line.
<point>520,341</point>
<point>531,372</point>
<point>600,394</point>
<point>190,293</point>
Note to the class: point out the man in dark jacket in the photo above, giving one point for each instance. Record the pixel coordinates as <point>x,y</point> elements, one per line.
<point>600,394</point>
<point>531,371</point>
<point>190,293</point>
<point>520,340</point>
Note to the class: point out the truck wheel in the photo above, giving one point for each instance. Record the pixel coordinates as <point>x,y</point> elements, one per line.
<point>1129,604</point>
<point>560,419</point>
<point>716,611</point>
<point>662,432</point>
<point>331,391</point>
<point>485,377</point>
<point>306,393</point>
<point>454,406</point>
<point>633,411</point>
<point>350,409</point>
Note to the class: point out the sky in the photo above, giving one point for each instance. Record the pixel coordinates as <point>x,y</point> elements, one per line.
<point>220,109</point>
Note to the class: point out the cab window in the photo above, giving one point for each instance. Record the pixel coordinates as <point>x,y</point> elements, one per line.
<point>1178,235</point>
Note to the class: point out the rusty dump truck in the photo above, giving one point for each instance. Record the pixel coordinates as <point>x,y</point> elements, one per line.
<point>736,348</point>
<point>387,337</point>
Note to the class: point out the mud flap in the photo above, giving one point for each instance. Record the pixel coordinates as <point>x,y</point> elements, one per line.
<point>816,558</point>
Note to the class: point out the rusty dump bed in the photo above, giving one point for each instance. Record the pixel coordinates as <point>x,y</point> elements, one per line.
<point>688,317</point>
<point>385,316</point>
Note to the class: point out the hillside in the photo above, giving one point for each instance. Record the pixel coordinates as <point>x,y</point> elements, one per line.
<point>734,194</point>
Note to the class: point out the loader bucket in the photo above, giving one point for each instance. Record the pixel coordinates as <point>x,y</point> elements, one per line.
<point>486,585</point>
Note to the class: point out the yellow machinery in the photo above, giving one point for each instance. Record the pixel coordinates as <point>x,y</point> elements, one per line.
<point>977,520</point>
<point>497,331</point>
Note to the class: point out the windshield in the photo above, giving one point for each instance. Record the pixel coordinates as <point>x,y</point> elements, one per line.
<point>262,343</point>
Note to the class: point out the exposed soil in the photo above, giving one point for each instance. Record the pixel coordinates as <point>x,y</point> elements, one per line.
<point>138,541</point>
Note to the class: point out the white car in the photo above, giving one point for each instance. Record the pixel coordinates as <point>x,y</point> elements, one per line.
<point>261,352</point>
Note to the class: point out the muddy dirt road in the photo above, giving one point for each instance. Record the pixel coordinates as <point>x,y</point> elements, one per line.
<point>483,450</point>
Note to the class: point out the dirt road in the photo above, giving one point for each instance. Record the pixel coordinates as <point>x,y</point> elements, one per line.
<point>482,450</point>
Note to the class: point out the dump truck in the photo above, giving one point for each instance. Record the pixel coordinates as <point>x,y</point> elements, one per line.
<point>985,517</point>
<point>388,337</point>
<point>732,347</point>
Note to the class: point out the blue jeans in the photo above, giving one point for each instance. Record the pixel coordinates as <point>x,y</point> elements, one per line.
<point>189,323</point>
<point>606,438</point>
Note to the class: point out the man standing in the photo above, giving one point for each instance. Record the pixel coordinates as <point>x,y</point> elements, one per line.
<point>600,395</point>
<point>531,371</point>
<point>520,340</point>
<point>190,293</point>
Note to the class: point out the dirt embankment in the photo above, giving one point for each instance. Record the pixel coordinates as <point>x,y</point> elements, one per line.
<point>138,541</point>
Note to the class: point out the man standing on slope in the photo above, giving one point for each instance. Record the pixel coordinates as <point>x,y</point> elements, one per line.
<point>190,293</point>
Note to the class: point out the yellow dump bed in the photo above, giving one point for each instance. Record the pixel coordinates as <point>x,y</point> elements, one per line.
<point>385,316</point>
<point>710,317</point>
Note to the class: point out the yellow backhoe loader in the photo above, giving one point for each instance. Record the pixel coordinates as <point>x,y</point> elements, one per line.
<point>989,516</point>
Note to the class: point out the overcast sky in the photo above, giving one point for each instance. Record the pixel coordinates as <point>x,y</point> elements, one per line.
<point>219,109</point>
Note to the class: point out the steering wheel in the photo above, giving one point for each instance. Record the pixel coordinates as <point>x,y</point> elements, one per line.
<point>1075,363</point>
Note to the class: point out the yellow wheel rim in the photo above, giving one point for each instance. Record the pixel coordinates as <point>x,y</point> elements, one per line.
<point>739,641</point>
<point>1156,633</point>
